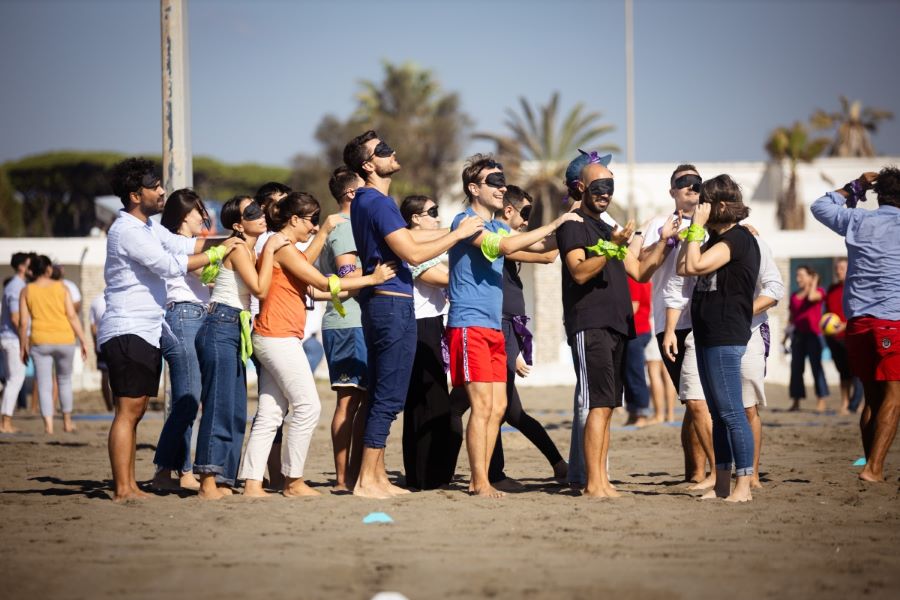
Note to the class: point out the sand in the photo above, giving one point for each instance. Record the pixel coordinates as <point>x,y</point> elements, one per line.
<point>814,531</point>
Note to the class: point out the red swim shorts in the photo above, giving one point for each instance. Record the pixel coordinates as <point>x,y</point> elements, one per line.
<point>476,354</point>
<point>873,347</point>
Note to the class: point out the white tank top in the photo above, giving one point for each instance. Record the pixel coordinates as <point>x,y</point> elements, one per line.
<point>230,290</point>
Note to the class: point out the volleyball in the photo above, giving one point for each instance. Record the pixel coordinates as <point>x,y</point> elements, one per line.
<point>829,323</point>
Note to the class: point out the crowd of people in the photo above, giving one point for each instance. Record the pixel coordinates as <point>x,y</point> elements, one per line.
<point>409,302</point>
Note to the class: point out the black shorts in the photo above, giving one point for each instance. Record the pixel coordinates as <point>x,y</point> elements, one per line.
<point>134,366</point>
<point>599,359</point>
<point>839,355</point>
<point>674,367</point>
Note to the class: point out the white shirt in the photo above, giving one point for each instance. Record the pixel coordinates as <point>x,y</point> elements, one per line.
<point>73,290</point>
<point>187,289</point>
<point>98,307</point>
<point>139,258</point>
<point>666,276</point>
<point>429,300</point>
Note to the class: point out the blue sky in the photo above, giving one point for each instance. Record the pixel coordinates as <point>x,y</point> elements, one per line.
<point>712,77</point>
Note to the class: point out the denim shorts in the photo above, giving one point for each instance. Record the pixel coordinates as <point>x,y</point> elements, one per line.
<point>345,352</point>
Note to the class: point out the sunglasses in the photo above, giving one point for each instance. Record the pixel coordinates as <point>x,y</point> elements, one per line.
<point>313,218</point>
<point>494,180</point>
<point>150,181</point>
<point>382,150</point>
<point>431,212</point>
<point>252,212</point>
<point>689,181</point>
<point>525,212</point>
<point>602,187</point>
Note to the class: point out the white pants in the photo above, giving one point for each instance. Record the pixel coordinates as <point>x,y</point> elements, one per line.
<point>753,371</point>
<point>15,374</point>
<point>285,383</point>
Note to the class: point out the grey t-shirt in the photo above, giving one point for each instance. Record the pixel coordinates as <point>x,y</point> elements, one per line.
<point>340,241</point>
<point>11,294</point>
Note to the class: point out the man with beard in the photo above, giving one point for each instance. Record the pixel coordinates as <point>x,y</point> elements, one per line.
<point>598,311</point>
<point>388,313</point>
<point>140,255</point>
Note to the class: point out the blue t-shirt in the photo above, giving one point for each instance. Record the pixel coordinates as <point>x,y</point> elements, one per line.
<point>372,217</point>
<point>11,294</point>
<point>476,284</point>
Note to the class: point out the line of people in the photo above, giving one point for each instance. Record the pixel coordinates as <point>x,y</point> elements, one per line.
<point>386,340</point>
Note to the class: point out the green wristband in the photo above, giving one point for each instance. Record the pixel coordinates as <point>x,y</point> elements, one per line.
<point>695,233</point>
<point>216,253</point>
<point>609,250</point>
<point>490,244</point>
<point>334,286</point>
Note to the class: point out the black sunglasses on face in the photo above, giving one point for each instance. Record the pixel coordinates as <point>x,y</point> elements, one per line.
<point>525,212</point>
<point>313,218</point>
<point>382,150</point>
<point>431,212</point>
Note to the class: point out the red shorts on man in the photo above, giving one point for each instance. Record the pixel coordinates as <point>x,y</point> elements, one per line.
<point>476,354</point>
<point>873,347</point>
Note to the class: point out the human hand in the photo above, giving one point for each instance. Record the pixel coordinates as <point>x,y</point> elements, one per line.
<point>24,351</point>
<point>83,351</point>
<point>522,368</point>
<point>621,235</point>
<point>232,243</point>
<point>670,227</point>
<point>384,271</point>
<point>867,179</point>
<point>276,242</point>
<point>566,217</point>
<point>332,221</point>
<point>670,345</point>
<point>469,226</point>
<point>701,214</point>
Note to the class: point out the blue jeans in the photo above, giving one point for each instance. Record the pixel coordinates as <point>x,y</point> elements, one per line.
<point>720,375</point>
<point>173,450</point>
<point>803,345</point>
<point>389,324</point>
<point>224,395</point>
<point>637,394</point>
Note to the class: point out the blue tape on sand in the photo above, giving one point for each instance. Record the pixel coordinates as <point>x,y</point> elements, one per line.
<point>377,517</point>
<point>109,416</point>
<point>507,429</point>
<point>860,462</point>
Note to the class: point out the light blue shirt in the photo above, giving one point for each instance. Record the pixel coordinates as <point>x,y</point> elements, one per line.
<point>11,294</point>
<point>140,257</point>
<point>873,251</point>
<point>476,284</point>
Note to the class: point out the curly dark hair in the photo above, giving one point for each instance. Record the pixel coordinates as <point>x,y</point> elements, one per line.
<point>125,177</point>
<point>887,186</point>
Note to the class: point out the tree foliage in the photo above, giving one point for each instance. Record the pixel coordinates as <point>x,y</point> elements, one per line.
<point>853,125</point>
<point>793,144</point>
<point>538,135</point>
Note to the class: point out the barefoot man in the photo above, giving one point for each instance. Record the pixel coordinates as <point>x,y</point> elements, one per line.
<point>388,314</point>
<point>140,255</point>
<point>871,303</point>
<point>598,313</point>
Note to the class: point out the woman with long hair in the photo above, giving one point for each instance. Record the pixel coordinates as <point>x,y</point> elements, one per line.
<point>186,301</point>
<point>726,268</point>
<point>48,327</point>
<point>432,432</point>
<point>286,382</point>
<point>223,346</point>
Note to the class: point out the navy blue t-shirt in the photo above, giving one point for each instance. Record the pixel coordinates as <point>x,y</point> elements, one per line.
<point>372,217</point>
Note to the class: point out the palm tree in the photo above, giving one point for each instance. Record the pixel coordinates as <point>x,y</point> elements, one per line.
<point>853,125</point>
<point>793,144</point>
<point>533,137</point>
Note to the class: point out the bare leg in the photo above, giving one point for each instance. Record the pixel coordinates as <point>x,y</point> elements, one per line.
<point>395,490</point>
<point>756,426</point>
<point>7,426</point>
<point>846,388</point>
<point>671,397</point>
<point>48,424</point>
<point>342,429</point>
<point>595,432</point>
<point>68,424</point>
<point>657,389</point>
<point>208,488</point>
<point>356,443</point>
<point>107,391</point>
<point>702,423</point>
<point>122,432</point>
<point>479,441</point>
<point>253,488</point>
<point>885,414</point>
<point>821,406</point>
<point>273,466</point>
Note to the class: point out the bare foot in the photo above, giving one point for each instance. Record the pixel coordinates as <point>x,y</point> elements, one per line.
<point>225,489</point>
<point>9,429</point>
<point>868,476</point>
<point>736,496</point>
<point>129,494</point>
<point>68,424</point>
<point>711,495</point>
<point>297,488</point>
<point>844,411</point>
<point>486,492</point>
<point>707,482</point>
<point>396,490</point>
<point>596,492</point>
<point>254,489</point>
<point>755,483</point>
<point>821,406</point>
<point>341,487</point>
<point>210,494</point>
<point>372,491</point>
<point>611,492</point>
<point>188,481</point>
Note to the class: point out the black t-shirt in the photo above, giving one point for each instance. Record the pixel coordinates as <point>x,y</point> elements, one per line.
<point>513,297</point>
<point>602,302</point>
<point>722,304</point>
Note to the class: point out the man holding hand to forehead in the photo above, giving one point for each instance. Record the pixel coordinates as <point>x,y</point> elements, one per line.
<point>598,312</point>
<point>388,313</point>
<point>477,345</point>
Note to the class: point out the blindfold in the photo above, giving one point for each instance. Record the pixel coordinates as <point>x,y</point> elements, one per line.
<point>495,180</point>
<point>150,181</point>
<point>689,181</point>
<point>602,187</point>
<point>525,212</point>
<point>382,150</point>
<point>252,212</point>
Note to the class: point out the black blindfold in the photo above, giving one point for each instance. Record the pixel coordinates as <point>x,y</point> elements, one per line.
<point>495,180</point>
<point>602,187</point>
<point>252,212</point>
<point>382,150</point>
<point>689,181</point>
<point>150,181</point>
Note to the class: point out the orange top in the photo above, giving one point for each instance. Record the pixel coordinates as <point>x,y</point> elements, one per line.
<point>49,322</point>
<point>283,312</point>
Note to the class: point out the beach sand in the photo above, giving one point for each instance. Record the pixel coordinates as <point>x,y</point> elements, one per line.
<point>813,531</point>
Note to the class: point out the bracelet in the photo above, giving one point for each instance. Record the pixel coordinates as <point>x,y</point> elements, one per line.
<point>334,286</point>
<point>609,250</point>
<point>345,270</point>
<point>855,193</point>
<point>695,233</point>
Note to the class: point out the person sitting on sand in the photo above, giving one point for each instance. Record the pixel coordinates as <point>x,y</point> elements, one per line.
<point>871,303</point>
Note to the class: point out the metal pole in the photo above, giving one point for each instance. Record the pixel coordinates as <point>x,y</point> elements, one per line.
<point>629,103</point>
<point>178,171</point>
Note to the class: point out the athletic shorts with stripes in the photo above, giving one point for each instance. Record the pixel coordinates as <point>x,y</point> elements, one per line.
<point>476,354</point>
<point>599,359</point>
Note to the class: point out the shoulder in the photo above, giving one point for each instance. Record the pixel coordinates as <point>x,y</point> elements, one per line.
<point>459,217</point>
<point>494,225</point>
